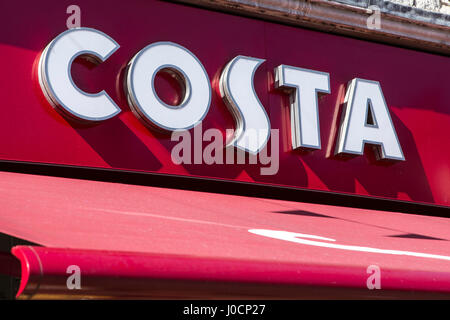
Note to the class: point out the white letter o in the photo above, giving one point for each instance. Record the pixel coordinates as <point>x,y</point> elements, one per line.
<point>143,98</point>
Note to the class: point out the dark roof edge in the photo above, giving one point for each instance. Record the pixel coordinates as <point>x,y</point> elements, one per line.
<point>400,25</point>
<point>404,11</point>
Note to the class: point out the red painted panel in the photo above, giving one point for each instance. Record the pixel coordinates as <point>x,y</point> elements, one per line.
<point>415,85</point>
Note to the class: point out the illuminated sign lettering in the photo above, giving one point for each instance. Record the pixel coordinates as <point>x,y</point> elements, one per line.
<point>366,117</point>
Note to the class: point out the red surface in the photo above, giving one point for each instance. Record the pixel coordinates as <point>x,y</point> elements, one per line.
<point>109,274</point>
<point>194,235</point>
<point>415,85</point>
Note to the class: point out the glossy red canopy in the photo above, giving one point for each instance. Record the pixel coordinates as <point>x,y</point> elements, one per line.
<point>138,241</point>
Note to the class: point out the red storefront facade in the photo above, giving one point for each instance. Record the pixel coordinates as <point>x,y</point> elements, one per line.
<point>359,187</point>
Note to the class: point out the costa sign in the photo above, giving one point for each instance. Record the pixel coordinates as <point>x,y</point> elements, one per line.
<point>180,90</point>
<point>366,117</point>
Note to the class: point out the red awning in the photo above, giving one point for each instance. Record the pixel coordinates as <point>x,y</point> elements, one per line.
<point>138,241</point>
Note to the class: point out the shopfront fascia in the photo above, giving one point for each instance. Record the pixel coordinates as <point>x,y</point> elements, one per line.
<point>175,146</point>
